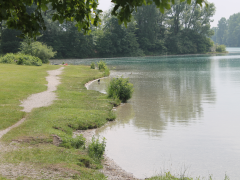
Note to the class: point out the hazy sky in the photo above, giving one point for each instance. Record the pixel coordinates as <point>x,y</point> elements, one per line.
<point>224,8</point>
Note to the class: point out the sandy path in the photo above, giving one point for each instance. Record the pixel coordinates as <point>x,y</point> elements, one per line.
<point>40,99</point>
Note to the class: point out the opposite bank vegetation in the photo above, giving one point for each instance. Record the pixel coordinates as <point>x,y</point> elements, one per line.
<point>183,29</point>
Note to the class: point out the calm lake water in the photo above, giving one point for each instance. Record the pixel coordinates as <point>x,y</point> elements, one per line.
<point>184,116</point>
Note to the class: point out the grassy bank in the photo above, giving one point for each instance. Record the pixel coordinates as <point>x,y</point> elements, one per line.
<point>76,109</point>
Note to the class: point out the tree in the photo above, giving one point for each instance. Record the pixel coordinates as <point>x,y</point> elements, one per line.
<point>84,12</point>
<point>37,49</point>
<point>222,31</point>
<point>9,42</point>
<point>233,34</point>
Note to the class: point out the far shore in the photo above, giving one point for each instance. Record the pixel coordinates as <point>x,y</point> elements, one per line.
<point>52,61</point>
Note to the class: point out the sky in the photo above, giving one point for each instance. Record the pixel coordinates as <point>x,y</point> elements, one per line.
<point>224,8</point>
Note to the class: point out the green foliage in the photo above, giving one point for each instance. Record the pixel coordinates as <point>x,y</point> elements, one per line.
<point>106,72</point>
<point>92,66</point>
<point>96,148</point>
<point>8,59</point>
<point>10,43</point>
<point>37,49</point>
<point>21,59</point>
<point>221,48</point>
<point>31,22</point>
<point>28,60</point>
<point>101,65</point>
<point>169,176</point>
<point>227,31</point>
<point>112,116</point>
<point>120,88</point>
<point>103,68</point>
<point>183,29</point>
<point>69,142</point>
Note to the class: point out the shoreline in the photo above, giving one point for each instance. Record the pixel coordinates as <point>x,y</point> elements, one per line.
<point>168,55</point>
<point>110,168</point>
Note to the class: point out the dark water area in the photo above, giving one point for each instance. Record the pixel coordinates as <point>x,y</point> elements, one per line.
<point>183,117</point>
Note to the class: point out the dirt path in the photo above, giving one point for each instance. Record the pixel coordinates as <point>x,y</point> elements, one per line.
<point>40,99</point>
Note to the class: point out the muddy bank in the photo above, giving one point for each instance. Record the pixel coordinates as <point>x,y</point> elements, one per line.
<point>110,168</point>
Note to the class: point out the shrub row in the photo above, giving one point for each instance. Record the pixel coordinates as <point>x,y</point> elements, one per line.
<point>21,59</point>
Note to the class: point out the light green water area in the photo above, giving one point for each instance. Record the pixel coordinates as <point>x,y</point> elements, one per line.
<point>184,115</point>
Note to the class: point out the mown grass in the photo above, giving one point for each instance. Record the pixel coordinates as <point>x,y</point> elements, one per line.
<point>17,83</point>
<point>76,109</point>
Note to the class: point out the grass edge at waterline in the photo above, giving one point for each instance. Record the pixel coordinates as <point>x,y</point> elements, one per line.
<point>76,109</point>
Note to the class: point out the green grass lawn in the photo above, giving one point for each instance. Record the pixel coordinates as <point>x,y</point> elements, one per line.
<point>76,108</point>
<point>17,83</point>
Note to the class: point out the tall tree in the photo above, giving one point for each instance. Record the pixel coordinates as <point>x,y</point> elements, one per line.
<point>233,34</point>
<point>221,35</point>
<point>84,12</point>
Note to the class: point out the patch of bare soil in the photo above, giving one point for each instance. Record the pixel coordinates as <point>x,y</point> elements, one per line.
<point>30,171</point>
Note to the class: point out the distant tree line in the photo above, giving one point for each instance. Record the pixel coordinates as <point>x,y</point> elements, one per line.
<point>183,29</point>
<point>227,31</point>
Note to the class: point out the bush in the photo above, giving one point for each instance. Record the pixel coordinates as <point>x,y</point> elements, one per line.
<point>102,65</point>
<point>221,48</point>
<point>8,58</point>
<point>28,60</point>
<point>106,72</point>
<point>69,142</point>
<point>21,59</point>
<point>37,49</point>
<point>92,65</point>
<point>120,88</point>
<point>96,148</point>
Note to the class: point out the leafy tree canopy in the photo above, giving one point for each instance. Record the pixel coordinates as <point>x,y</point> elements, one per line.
<point>84,12</point>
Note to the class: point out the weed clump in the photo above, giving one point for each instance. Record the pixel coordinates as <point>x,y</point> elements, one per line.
<point>96,148</point>
<point>92,66</point>
<point>111,116</point>
<point>103,68</point>
<point>76,143</point>
<point>120,88</point>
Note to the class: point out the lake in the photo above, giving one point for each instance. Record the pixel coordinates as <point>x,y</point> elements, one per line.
<point>184,116</point>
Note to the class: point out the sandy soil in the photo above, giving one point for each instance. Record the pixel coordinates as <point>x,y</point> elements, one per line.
<point>44,98</point>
